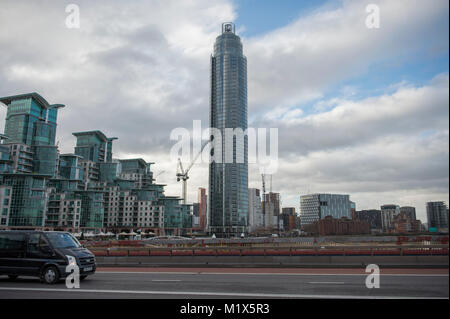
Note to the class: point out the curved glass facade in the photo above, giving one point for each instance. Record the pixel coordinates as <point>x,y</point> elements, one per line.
<point>228,182</point>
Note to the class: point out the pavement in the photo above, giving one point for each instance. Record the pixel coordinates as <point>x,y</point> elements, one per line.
<point>235,283</point>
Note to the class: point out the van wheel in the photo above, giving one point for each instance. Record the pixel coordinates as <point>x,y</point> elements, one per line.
<point>83,277</point>
<point>50,275</point>
<point>12,277</point>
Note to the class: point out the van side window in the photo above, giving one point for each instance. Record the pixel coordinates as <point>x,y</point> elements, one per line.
<point>43,242</point>
<point>36,242</point>
<point>33,242</point>
<point>11,244</point>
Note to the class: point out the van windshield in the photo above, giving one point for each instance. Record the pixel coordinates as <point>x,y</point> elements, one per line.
<point>63,240</point>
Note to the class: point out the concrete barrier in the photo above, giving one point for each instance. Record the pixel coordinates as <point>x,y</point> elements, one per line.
<point>274,261</point>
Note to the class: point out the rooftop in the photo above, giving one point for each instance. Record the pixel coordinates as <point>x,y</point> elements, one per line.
<point>140,160</point>
<point>38,98</point>
<point>99,134</point>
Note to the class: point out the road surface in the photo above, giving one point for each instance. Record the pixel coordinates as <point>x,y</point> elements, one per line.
<point>237,283</point>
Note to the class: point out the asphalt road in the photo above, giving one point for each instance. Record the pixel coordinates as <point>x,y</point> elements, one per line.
<point>244,283</point>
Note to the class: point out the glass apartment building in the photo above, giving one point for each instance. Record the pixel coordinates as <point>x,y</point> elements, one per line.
<point>70,167</point>
<point>94,146</point>
<point>5,158</point>
<point>30,118</point>
<point>228,182</point>
<point>31,123</point>
<point>28,200</point>
<point>86,190</point>
<point>314,207</point>
<point>30,131</point>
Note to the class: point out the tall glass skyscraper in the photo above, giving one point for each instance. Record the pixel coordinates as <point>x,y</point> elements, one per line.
<point>228,182</point>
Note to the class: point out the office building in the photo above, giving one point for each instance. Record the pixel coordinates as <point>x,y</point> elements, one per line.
<point>353,209</point>
<point>388,212</point>
<point>272,205</point>
<point>255,215</point>
<point>437,216</point>
<point>409,211</point>
<point>372,217</point>
<point>315,207</point>
<point>202,207</point>
<point>195,216</point>
<point>288,216</point>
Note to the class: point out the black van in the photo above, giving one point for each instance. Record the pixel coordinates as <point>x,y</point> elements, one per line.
<point>42,254</point>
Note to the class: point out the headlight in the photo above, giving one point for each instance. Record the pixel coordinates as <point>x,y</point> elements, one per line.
<point>71,260</point>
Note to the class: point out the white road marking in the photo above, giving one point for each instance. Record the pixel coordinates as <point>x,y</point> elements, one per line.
<point>262,274</point>
<point>213,293</point>
<point>166,280</point>
<point>327,282</point>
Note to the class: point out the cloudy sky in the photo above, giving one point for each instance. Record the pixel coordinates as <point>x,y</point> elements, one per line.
<point>359,111</point>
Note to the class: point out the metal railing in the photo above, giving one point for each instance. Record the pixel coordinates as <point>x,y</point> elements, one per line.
<point>391,250</point>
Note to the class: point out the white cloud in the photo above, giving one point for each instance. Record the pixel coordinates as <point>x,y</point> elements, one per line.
<point>298,63</point>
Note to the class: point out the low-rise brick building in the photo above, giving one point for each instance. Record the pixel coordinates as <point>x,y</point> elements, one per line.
<point>404,223</point>
<point>338,226</point>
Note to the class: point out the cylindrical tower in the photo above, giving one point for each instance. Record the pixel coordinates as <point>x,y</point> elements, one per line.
<point>228,182</point>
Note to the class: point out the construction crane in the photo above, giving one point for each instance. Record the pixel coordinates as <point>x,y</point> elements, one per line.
<point>182,175</point>
<point>159,173</point>
<point>263,177</point>
<point>154,178</point>
<point>278,210</point>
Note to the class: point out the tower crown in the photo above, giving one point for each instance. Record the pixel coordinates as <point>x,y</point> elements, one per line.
<point>228,27</point>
